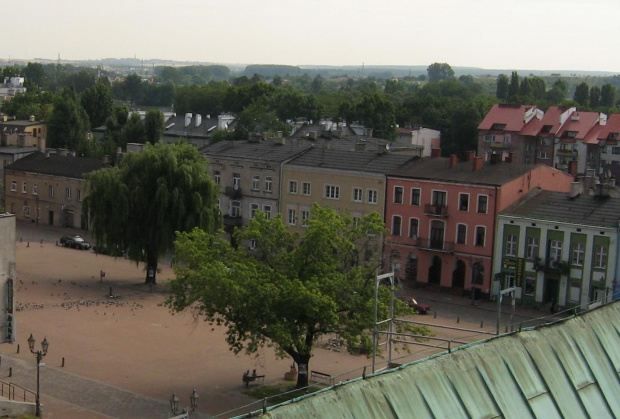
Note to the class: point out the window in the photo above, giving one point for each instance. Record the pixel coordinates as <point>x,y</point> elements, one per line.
<point>13,186</point>
<point>253,209</point>
<point>26,210</point>
<point>543,155</point>
<point>255,183</point>
<point>235,208</point>
<point>511,245</point>
<point>506,139</point>
<point>291,216</point>
<point>268,183</point>
<point>415,196</point>
<point>292,186</point>
<point>439,198</point>
<point>217,177</point>
<point>615,150</point>
<point>34,189</point>
<point>236,180</point>
<point>413,227</point>
<point>358,195</point>
<point>600,257</point>
<point>570,134</point>
<point>24,186</point>
<point>578,253</point>
<point>305,217</point>
<point>480,233</point>
<point>372,196</point>
<point>604,149</point>
<point>51,190</point>
<point>531,252</point>
<point>544,141</point>
<point>396,224</point>
<point>68,193</point>
<point>306,189</point>
<point>267,211</point>
<point>482,203</point>
<point>461,234</point>
<point>499,126</point>
<point>79,195</point>
<point>252,244</point>
<point>555,250</point>
<point>332,191</point>
<point>463,202</point>
<point>489,138</point>
<point>398,194</point>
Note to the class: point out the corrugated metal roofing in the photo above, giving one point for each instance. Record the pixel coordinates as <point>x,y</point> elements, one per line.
<point>568,369</point>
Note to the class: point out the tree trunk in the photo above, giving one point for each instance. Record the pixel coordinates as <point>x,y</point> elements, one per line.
<point>303,369</point>
<point>151,274</point>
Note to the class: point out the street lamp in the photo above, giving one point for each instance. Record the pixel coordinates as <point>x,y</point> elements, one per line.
<point>39,355</point>
<point>174,404</point>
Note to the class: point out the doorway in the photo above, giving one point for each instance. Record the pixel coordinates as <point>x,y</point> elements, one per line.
<point>458,275</point>
<point>434,271</point>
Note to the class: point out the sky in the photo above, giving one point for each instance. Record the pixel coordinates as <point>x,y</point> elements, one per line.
<point>492,34</point>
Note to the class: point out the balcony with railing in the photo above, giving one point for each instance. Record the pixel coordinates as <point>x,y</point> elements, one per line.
<point>233,192</point>
<point>233,220</point>
<point>431,244</point>
<point>438,210</point>
<point>561,152</point>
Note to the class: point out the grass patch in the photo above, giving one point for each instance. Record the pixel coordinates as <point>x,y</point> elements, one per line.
<point>279,393</point>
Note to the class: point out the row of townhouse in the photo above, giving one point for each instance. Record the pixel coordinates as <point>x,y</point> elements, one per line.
<point>560,249</point>
<point>441,217</point>
<point>564,138</point>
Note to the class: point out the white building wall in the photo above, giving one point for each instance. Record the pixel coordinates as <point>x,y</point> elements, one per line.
<point>7,272</point>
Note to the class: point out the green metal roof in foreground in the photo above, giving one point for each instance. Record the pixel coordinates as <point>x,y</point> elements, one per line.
<point>567,369</point>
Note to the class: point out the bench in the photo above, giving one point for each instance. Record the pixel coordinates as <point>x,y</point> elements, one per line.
<point>247,379</point>
<point>322,376</point>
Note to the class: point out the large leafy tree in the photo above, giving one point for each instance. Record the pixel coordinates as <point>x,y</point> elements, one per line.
<point>292,291</point>
<point>439,72</point>
<point>582,94</point>
<point>98,103</point>
<point>69,122</point>
<point>153,125</point>
<point>139,205</point>
<point>608,95</point>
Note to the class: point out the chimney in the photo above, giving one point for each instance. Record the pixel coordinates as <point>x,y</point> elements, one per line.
<point>31,118</point>
<point>477,164</point>
<point>452,161</point>
<point>469,155</point>
<point>41,144</point>
<point>62,152</point>
<point>572,167</point>
<point>198,120</point>
<point>188,119</point>
<point>576,189</point>
<point>436,152</point>
<point>312,135</point>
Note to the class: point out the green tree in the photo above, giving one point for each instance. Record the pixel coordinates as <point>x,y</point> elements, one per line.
<point>376,112</point>
<point>68,124</point>
<point>558,92</point>
<point>608,95</point>
<point>133,131</point>
<point>439,71</point>
<point>153,125</point>
<point>502,87</point>
<point>139,205</point>
<point>34,74</point>
<point>97,102</point>
<point>595,96</point>
<point>33,102</point>
<point>513,88</point>
<point>582,93</point>
<point>132,88</point>
<point>293,292</point>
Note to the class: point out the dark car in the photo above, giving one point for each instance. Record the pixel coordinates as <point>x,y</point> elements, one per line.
<point>421,308</point>
<point>75,242</point>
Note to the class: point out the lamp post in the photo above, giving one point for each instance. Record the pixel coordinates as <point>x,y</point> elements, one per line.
<point>39,355</point>
<point>376,326</point>
<point>174,404</point>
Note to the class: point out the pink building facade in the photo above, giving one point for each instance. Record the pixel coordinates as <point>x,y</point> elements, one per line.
<point>441,218</point>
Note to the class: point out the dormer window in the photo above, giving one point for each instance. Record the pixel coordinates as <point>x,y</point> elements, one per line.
<point>545,128</point>
<point>499,127</point>
<point>569,134</point>
<point>612,136</point>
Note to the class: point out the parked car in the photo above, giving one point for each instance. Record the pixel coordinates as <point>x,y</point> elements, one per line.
<point>421,308</point>
<point>75,242</point>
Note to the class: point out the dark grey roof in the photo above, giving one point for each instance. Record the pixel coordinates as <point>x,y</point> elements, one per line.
<point>268,150</point>
<point>175,127</point>
<point>436,168</point>
<point>558,206</point>
<point>361,161</point>
<point>65,166</point>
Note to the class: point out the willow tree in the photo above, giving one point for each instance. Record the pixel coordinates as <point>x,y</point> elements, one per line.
<point>292,291</point>
<point>139,205</point>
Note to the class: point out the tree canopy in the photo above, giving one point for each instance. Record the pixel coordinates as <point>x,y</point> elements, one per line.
<point>439,72</point>
<point>139,205</point>
<point>292,292</point>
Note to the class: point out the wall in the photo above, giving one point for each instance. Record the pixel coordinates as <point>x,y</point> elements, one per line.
<point>7,272</point>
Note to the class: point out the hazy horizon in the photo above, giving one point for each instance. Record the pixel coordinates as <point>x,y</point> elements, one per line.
<point>490,34</point>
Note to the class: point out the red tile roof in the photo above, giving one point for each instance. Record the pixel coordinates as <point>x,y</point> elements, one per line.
<point>580,122</point>
<point>551,117</point>
<point>511,115</point>
<point>612,126</point>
